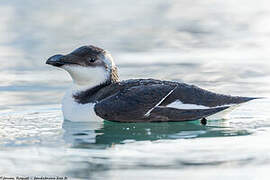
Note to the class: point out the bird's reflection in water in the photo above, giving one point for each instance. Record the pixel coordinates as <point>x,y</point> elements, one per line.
<point>104,134</point>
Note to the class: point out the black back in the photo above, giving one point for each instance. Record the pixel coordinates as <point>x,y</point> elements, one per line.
<point>131,100</point>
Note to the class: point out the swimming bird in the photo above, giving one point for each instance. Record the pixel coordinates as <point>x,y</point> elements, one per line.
<point>97,93</point>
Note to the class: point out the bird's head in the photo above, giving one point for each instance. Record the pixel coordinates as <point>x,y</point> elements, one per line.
<point>88,66</point>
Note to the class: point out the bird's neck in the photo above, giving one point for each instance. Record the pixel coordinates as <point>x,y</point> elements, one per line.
<point>76,88</point>
<point>88,95</point>
<point>84,91</point>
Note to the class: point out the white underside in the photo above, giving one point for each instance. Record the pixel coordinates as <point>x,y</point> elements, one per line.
<point>222,114</point>
<point>179,105</point>
<point>76,112</point>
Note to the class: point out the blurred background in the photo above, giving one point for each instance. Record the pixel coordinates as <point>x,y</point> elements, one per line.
<point>222,46</point>
<point>31,31</point>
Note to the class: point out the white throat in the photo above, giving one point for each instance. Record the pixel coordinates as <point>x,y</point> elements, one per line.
<point>86,77</point>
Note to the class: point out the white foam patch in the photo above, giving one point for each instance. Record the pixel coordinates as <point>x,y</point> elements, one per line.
<point>179,105</point>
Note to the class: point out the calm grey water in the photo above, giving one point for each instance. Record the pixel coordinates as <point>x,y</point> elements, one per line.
<point>220,46</point>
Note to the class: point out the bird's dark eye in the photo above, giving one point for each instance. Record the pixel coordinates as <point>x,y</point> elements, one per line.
<point>91,59</point>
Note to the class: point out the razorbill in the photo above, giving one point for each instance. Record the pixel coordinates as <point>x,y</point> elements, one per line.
<point>97,93</point>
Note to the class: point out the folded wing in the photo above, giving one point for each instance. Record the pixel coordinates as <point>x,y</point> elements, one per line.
<point>147,102</point>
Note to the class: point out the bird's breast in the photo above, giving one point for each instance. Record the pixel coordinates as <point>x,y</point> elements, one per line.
<point>74,111</point>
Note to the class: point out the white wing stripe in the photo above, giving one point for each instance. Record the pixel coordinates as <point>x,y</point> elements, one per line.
<point>180,105</point>
<point>148,112</point>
